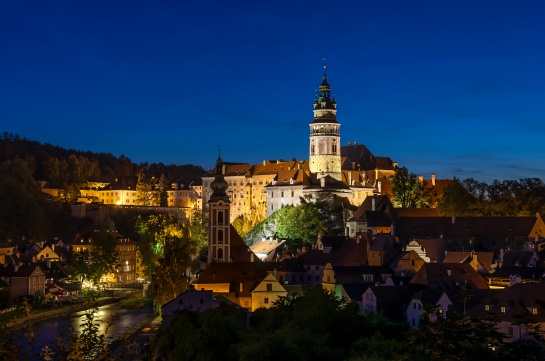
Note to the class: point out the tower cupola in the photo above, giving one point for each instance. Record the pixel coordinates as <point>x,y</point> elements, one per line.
<point>219,185</point>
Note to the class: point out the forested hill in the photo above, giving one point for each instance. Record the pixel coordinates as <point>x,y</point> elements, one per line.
<point>62,166</point>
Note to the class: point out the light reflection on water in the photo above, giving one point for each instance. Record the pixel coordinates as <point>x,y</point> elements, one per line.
<point>47,331</point>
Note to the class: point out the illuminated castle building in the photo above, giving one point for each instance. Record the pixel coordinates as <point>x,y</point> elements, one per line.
<point>351,172</point>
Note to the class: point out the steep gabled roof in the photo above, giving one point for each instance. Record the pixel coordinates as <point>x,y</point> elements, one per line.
<point>449,276</point>
<point>514,304</point>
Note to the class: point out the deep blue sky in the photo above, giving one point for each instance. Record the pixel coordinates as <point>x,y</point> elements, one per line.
<point>455,88</point>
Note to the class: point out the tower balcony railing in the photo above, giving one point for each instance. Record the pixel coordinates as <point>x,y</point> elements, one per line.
<point>324,132</point>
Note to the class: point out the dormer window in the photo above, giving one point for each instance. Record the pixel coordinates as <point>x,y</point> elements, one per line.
<point>534,310</point>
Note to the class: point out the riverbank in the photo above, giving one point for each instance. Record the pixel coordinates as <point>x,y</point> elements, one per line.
<point>40,315</point>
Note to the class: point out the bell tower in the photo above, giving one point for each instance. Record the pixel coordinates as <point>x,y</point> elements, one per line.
<point>325,136</point>
<point>219,248</point>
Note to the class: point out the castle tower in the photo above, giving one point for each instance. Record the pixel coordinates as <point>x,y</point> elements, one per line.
<point>325,136</point>
<point>218,218</point>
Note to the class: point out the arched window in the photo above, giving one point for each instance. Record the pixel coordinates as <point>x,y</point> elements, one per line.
<point>220,217</point>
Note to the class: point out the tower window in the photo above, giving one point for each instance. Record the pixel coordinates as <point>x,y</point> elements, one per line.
<point>220,217</point>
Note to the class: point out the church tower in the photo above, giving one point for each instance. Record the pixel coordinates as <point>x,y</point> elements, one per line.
<point>325,136</point>
<point>218,218</point>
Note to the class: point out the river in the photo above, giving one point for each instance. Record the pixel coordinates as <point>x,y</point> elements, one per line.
<point>46,332</point>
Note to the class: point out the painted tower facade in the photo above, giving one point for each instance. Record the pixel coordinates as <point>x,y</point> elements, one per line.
<point>325,136</point>
<point>219,248</point>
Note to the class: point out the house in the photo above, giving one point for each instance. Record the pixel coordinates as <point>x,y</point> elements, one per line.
<point>236,281</point>
<point>368,208</point>
<point>467,233</point>
<point>406,263</point>
<point>517,310</point>
<point>389,300</point>
<point>268,249</point>
<point>382,250</point>
<point>192,300</point>
<point>508,275</point>
<point>448,276</point>
<point>266,292</point>
<point>337,278</point>
<point>436,298</point>
<point>23,279</point>
<point>482,262</point>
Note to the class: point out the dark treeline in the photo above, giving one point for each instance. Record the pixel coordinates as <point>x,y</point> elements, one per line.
<point>58,165</point>
<point>523,197</point>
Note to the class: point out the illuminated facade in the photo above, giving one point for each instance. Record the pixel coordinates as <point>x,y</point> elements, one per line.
<point>350,171</point>
<point>325,136</point>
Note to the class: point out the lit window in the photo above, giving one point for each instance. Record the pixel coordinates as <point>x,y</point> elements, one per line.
<point>534,310</point>
<point>266,300</point>
<point>502,309</point>
<point>487,307</point>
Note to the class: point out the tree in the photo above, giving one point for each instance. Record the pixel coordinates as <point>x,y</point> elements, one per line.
<point>171,275</point>
<point>456,200</point>
<point>211,335</point>
<point>155,230</point>
<point>302,222</point>
<point>101,259</point>
<point>408,191</point>
<point>143,188</point>
<point>23,206</point>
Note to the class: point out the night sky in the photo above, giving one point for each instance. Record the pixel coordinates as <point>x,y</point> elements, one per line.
<point>454,88</point>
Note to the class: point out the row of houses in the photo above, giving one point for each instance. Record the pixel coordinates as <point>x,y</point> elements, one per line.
<point>30,268</point>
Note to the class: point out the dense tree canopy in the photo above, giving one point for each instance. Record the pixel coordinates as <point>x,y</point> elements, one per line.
<point>302,224</point>
<point>408,191</point>
<point>469,197</point>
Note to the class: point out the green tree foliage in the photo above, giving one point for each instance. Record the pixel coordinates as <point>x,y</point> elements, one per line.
<point>154,231</point>
<point>408,191</point>
<point>101,259</point>
<point>143,188</point>
<point>302,222</point>
<point>171,276</point>
<point>470,197</point>
<point>198,228</point>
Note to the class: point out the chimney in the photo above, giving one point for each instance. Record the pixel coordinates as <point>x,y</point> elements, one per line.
<point>373,203</point>
<point>322,182</point>
<point>264,162</point>
<point>350,177</point>
<point>433,180</point>
<point>349,144</point>
<point>421,178</point>
<point>355,143</point>
<point>379,187</point>
<point>449,272</point>
<point>53,247</point>
<point>353,165</point>
<point>453,218</point>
